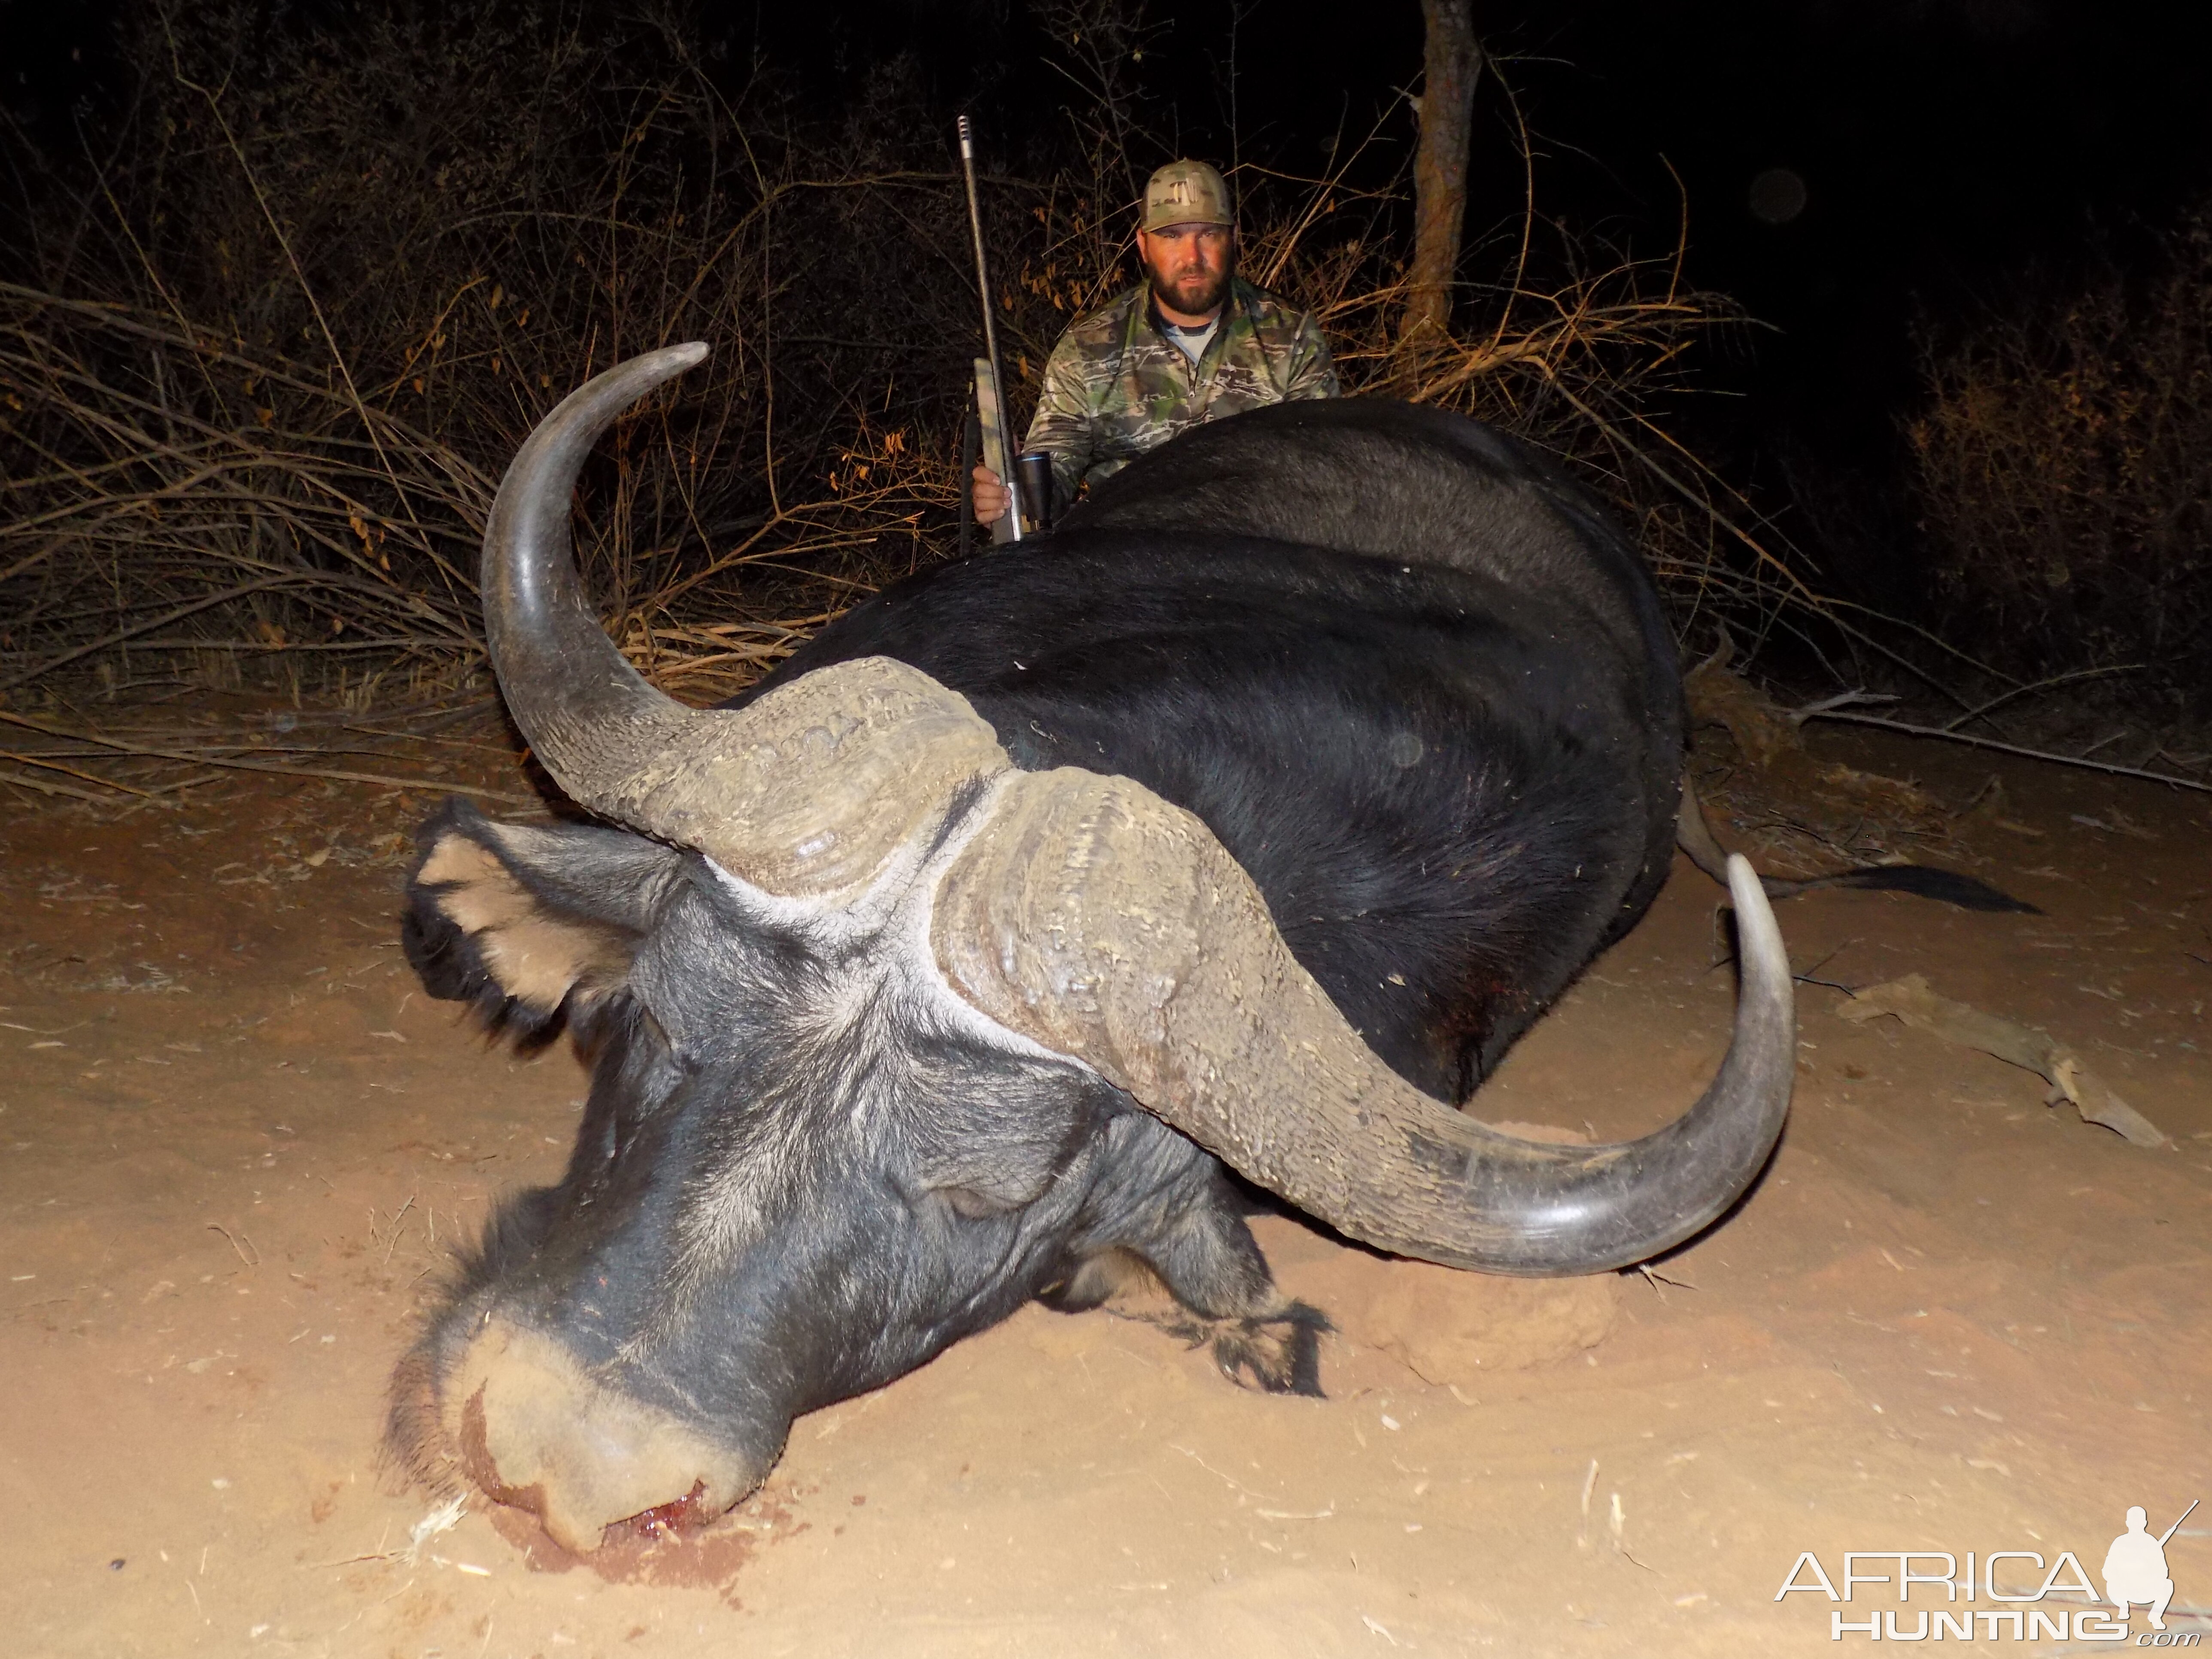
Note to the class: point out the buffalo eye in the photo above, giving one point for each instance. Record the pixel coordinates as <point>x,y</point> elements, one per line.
<point>974,1204</point>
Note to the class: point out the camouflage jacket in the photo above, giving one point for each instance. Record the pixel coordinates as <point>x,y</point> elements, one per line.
<point>1116,387</point>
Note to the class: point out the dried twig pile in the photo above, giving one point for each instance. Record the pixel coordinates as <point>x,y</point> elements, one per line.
<point>261,368</point>
<point>187,498</point>
<point>148,759</point>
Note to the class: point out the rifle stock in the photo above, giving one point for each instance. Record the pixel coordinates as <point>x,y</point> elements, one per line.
<point>996,453</point>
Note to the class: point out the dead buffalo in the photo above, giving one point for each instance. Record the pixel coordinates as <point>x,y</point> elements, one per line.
<point>1249,818</point>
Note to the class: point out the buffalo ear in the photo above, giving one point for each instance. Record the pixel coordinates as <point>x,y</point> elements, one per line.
<point>533,925</point>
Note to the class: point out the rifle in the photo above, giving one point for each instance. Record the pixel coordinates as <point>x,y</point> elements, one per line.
<point>2176,1527</point>
<point>998,455</point>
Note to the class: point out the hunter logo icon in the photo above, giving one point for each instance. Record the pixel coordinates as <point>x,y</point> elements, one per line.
<point>2134,1567</point>
<point>2135,1574</point>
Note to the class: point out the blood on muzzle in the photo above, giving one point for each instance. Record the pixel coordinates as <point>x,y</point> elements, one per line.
<point>535,1430</point>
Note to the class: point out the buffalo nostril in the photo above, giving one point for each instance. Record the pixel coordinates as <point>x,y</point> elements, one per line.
<point>677,1519</point>
<point>536,1432</point>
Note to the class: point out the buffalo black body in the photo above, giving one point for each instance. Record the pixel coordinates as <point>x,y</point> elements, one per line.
<point>1455,783</point>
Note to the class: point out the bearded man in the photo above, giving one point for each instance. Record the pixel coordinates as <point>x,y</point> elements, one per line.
<point>1193,341</point>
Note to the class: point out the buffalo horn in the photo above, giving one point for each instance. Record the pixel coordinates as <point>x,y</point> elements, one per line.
<point>807,792</point>
<point>1105,923</point>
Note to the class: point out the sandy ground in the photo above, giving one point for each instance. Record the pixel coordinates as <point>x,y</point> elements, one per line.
<point>236,1143</point>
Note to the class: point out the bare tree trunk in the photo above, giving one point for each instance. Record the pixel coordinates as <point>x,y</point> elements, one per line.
<point>1453,63</point>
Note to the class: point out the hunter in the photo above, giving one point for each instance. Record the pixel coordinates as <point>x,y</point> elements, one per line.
<point>1192,342</point>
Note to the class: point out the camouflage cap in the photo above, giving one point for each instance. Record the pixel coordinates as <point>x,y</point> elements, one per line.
<point>1186,193</point>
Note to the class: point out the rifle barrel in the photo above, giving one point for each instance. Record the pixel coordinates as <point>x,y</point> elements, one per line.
<point>990,328</point>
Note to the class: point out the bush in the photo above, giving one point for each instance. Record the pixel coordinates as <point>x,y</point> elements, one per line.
<point>264,363</point>
<point>2064,475</point>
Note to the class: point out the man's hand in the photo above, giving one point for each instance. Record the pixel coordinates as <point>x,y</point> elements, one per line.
<point>990,495</point>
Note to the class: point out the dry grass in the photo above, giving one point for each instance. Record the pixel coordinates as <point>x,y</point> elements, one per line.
<point>2065,477</point>
<point>265,362</point>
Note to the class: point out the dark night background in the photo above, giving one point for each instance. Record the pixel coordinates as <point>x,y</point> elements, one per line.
<point>1951,152</point>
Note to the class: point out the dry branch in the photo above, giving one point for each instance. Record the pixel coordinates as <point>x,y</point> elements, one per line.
<point>204,757</point>
<point>2052,755</point>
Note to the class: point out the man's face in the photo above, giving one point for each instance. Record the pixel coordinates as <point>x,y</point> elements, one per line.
<point>1190,265</point>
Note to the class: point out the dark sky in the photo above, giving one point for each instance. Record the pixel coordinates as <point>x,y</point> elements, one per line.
<point>1945,147</point>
